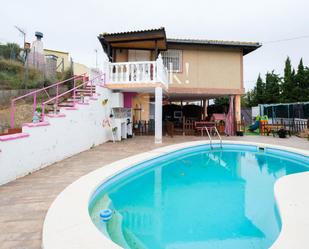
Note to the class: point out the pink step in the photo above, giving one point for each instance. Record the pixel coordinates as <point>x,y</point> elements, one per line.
<point>13,136</point>
<point>83,103</point>
<point>59,115</point>
<point>45,123</point>
<point>84,94</point>
<point>71,108</point>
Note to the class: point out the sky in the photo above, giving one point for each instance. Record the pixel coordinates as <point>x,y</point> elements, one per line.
<point>73,26</point>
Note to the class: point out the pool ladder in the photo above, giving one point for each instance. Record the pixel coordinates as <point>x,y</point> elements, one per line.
<point>209,136</point>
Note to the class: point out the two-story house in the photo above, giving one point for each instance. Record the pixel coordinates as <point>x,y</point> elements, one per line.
<point>147,67</point>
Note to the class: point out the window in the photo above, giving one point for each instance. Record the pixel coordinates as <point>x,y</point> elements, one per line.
<point>172,59</point>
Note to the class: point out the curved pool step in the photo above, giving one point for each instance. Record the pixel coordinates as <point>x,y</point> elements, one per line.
<point>132,240</point>
<point>115,231</point>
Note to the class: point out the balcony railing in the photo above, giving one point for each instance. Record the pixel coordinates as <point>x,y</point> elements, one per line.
<point>137,72</point>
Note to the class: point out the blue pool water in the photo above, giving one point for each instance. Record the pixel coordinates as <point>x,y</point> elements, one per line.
<point>197,198</point>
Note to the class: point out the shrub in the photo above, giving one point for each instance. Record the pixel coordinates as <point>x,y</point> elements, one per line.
<point>10,51</point>
<point>12,75</point>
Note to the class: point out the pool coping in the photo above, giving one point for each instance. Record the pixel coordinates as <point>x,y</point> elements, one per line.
<point>68,225</point>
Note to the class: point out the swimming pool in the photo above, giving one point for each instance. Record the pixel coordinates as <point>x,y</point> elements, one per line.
<point>197,198</point>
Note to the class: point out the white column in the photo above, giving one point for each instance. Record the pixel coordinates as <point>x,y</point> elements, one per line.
<point>158,115</point>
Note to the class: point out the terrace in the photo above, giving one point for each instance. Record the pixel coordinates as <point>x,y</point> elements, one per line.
<point>97,110</point>
<point>25,201</point>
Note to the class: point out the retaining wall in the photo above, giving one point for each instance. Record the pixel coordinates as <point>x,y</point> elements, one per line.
<point>62,137</point>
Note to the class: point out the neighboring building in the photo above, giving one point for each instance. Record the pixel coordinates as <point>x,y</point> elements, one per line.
<point>198,70</point>
<point>63,59</point>
<point>64,62</point>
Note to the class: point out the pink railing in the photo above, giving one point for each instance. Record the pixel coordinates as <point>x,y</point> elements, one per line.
<point>34,94</point>
<point>85,83</point>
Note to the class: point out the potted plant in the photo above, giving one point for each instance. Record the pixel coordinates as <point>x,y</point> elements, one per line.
<point>104,102</point>
<point>282,133</point>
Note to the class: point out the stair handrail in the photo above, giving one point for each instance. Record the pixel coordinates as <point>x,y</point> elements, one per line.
<point>208,136</point>
<point>218,134</point>
<point>85,83</point>
<point>34,94</point>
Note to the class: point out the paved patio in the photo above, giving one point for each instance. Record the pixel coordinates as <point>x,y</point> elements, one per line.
<point>24,202</point>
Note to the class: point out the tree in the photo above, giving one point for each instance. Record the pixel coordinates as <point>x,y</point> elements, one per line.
<point>272,88</point>
<point>259,91</point>
<point>288,87</point>
<point>292,87</point>
<point>250,98</point>
<point>246,100</point>
<point>10,51</point>
<point>222,101</point>
<point>301,90</point>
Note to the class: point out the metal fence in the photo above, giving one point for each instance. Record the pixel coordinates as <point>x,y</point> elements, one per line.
<point>287,111</point>
<point>144,127</point>
<point>293,125</point>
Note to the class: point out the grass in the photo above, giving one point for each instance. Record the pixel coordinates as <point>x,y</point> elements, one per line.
<point>252,133</point>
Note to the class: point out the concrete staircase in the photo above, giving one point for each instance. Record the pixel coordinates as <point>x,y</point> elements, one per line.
<point>68,101</point>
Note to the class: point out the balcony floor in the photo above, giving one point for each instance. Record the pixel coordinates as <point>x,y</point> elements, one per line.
<point>136,87</point>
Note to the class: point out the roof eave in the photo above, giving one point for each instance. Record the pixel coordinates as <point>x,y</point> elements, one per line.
<point>247,48</point>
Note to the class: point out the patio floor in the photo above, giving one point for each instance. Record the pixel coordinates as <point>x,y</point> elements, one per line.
<point>24,202</point>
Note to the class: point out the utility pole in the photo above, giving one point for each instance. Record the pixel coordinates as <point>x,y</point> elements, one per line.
<point>26,72</point>
<point>23,33</point>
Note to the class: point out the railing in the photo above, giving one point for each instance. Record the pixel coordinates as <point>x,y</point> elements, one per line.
<point>36,92</point>
<point>210,140</point>
<point>218,134</point>
<point>291,125</point>
<point>138,72</point>
<point>91,83</point>
<point>208,130</point>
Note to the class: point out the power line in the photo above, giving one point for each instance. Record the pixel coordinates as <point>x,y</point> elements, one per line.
<point>287,39</point>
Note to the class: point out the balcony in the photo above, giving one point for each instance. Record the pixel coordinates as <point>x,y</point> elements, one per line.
<point>137,74</point>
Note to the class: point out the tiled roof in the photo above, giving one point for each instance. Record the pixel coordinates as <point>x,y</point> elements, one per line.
<point>132,32</point>
<point>213,42</point>
<point>246,47</point>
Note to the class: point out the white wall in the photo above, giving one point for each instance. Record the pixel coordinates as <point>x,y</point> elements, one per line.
<point>255,111</point>
<point>64,137</point>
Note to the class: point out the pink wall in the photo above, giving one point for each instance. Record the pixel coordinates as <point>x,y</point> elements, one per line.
<point>127,99</point>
